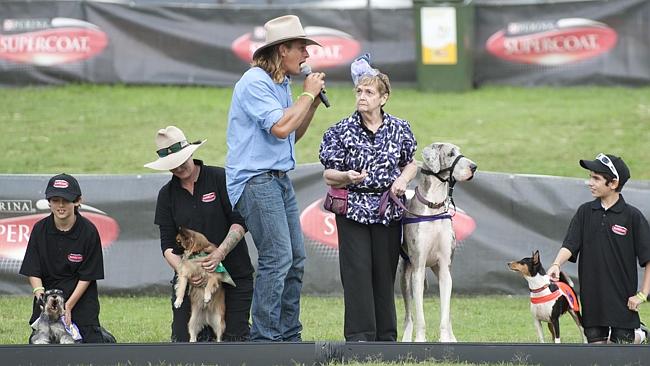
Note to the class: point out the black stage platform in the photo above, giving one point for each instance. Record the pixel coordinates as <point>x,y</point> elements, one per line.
<point>316,353</point>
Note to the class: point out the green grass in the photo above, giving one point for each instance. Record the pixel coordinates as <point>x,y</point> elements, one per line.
<point>110,129</point>
<point>145,319</point>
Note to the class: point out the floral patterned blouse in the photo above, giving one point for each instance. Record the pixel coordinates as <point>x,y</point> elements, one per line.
<point>349,145</point>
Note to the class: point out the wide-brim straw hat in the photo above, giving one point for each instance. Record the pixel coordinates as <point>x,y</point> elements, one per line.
<point>172,149</point>
<point>282,29</point>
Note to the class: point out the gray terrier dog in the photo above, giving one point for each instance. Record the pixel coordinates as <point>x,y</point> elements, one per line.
<point>50,328</point>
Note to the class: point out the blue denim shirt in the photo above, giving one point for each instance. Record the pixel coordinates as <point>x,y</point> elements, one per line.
<point>257,104</point>
<point>349,145</point>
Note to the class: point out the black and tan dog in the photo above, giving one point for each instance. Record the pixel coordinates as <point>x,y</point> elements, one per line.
<point>207,301</point>
<point>50,327</point>
<point>548,299</point>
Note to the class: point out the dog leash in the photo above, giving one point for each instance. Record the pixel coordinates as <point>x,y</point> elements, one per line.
<point>389,195</point>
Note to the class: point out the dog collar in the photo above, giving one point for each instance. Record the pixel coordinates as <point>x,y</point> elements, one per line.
<point>197,255</point>
<point>426,202</point>
<point>537,290</point>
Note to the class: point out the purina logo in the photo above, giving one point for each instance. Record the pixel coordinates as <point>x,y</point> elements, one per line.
<point>339,48</point>
<point>209,197</point>
<point>16,206</point>
<point>320,225</point>
<point>60,183</point>
<point>551,43</point>
<point>15,231</point>
<point>75,258</point>
<point>619,230</point>
<point>44,42</point>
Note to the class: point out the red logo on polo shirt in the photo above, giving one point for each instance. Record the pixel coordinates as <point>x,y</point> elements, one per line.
<point>209,197</point>
<point>75,258</point>
<point>60,183</point>
<point>619,230</point>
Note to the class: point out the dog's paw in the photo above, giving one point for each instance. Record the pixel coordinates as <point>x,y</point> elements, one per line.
<point>67,340</point>
<point>178,303</point>
<point>207,298</point>
<point>445,339</point>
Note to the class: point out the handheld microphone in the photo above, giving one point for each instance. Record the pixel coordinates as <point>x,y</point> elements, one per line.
<point>306,70</point>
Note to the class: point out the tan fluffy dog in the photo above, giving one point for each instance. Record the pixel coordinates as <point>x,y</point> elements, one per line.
<point>208,301</point>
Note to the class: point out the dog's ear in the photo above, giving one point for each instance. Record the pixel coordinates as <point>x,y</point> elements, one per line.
<point>431,157</point>
<point>536,257</point>
<point>184,233</point>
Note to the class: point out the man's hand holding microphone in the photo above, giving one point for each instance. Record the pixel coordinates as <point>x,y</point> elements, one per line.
<point>314,85</point>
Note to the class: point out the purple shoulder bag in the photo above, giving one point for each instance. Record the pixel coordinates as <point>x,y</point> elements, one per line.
<point>336,201</point>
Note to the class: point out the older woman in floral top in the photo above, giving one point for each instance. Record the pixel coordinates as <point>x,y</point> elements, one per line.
<point>369,153</point>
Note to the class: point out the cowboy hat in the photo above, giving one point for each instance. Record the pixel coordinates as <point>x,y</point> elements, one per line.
<point>172,149</point>
<point>282,29</point>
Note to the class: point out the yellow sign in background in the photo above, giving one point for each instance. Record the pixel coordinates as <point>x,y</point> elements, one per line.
<point>438,27</point>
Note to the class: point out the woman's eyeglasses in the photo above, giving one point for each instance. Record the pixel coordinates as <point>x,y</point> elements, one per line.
<point>608,163</point>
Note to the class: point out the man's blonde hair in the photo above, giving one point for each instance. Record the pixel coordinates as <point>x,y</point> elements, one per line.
<point>270,61</point>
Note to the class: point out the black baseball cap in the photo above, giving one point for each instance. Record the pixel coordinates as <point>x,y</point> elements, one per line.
<point>609,164</point>
<point>64,186</point>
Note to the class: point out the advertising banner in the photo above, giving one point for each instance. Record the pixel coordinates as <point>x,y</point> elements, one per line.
<point>517,42</point>
<point>104,42</point>
<point>501,218</point>
<point>568,43</point>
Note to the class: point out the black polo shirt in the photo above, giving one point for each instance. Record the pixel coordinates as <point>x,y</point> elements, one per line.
<point>609,244</point>
<point>60,259</point>
<point>208,211</point>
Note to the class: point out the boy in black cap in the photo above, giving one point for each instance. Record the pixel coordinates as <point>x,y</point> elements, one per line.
<point>610,236</point>
<point>64,252</point>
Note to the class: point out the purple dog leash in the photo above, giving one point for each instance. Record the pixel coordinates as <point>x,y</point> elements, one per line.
<point>389,195</point>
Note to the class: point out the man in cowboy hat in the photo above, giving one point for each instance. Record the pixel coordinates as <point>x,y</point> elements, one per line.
<point>263,126</point>
<point>195,197</point>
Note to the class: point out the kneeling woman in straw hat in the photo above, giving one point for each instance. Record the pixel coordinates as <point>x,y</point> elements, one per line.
<point>195,197</point>
<point>263,126</point>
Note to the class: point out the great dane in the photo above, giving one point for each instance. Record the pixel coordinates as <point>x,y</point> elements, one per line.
<point>429,237</point>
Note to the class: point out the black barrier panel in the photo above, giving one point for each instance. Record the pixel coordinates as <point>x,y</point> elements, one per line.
<point>321,353</point>
<point>480,353</point>
<point>505,217</point>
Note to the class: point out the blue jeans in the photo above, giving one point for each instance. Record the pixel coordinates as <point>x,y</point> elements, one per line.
<point>268,205</point>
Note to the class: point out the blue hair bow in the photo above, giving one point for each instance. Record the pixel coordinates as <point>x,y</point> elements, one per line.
<point>360,67</point>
